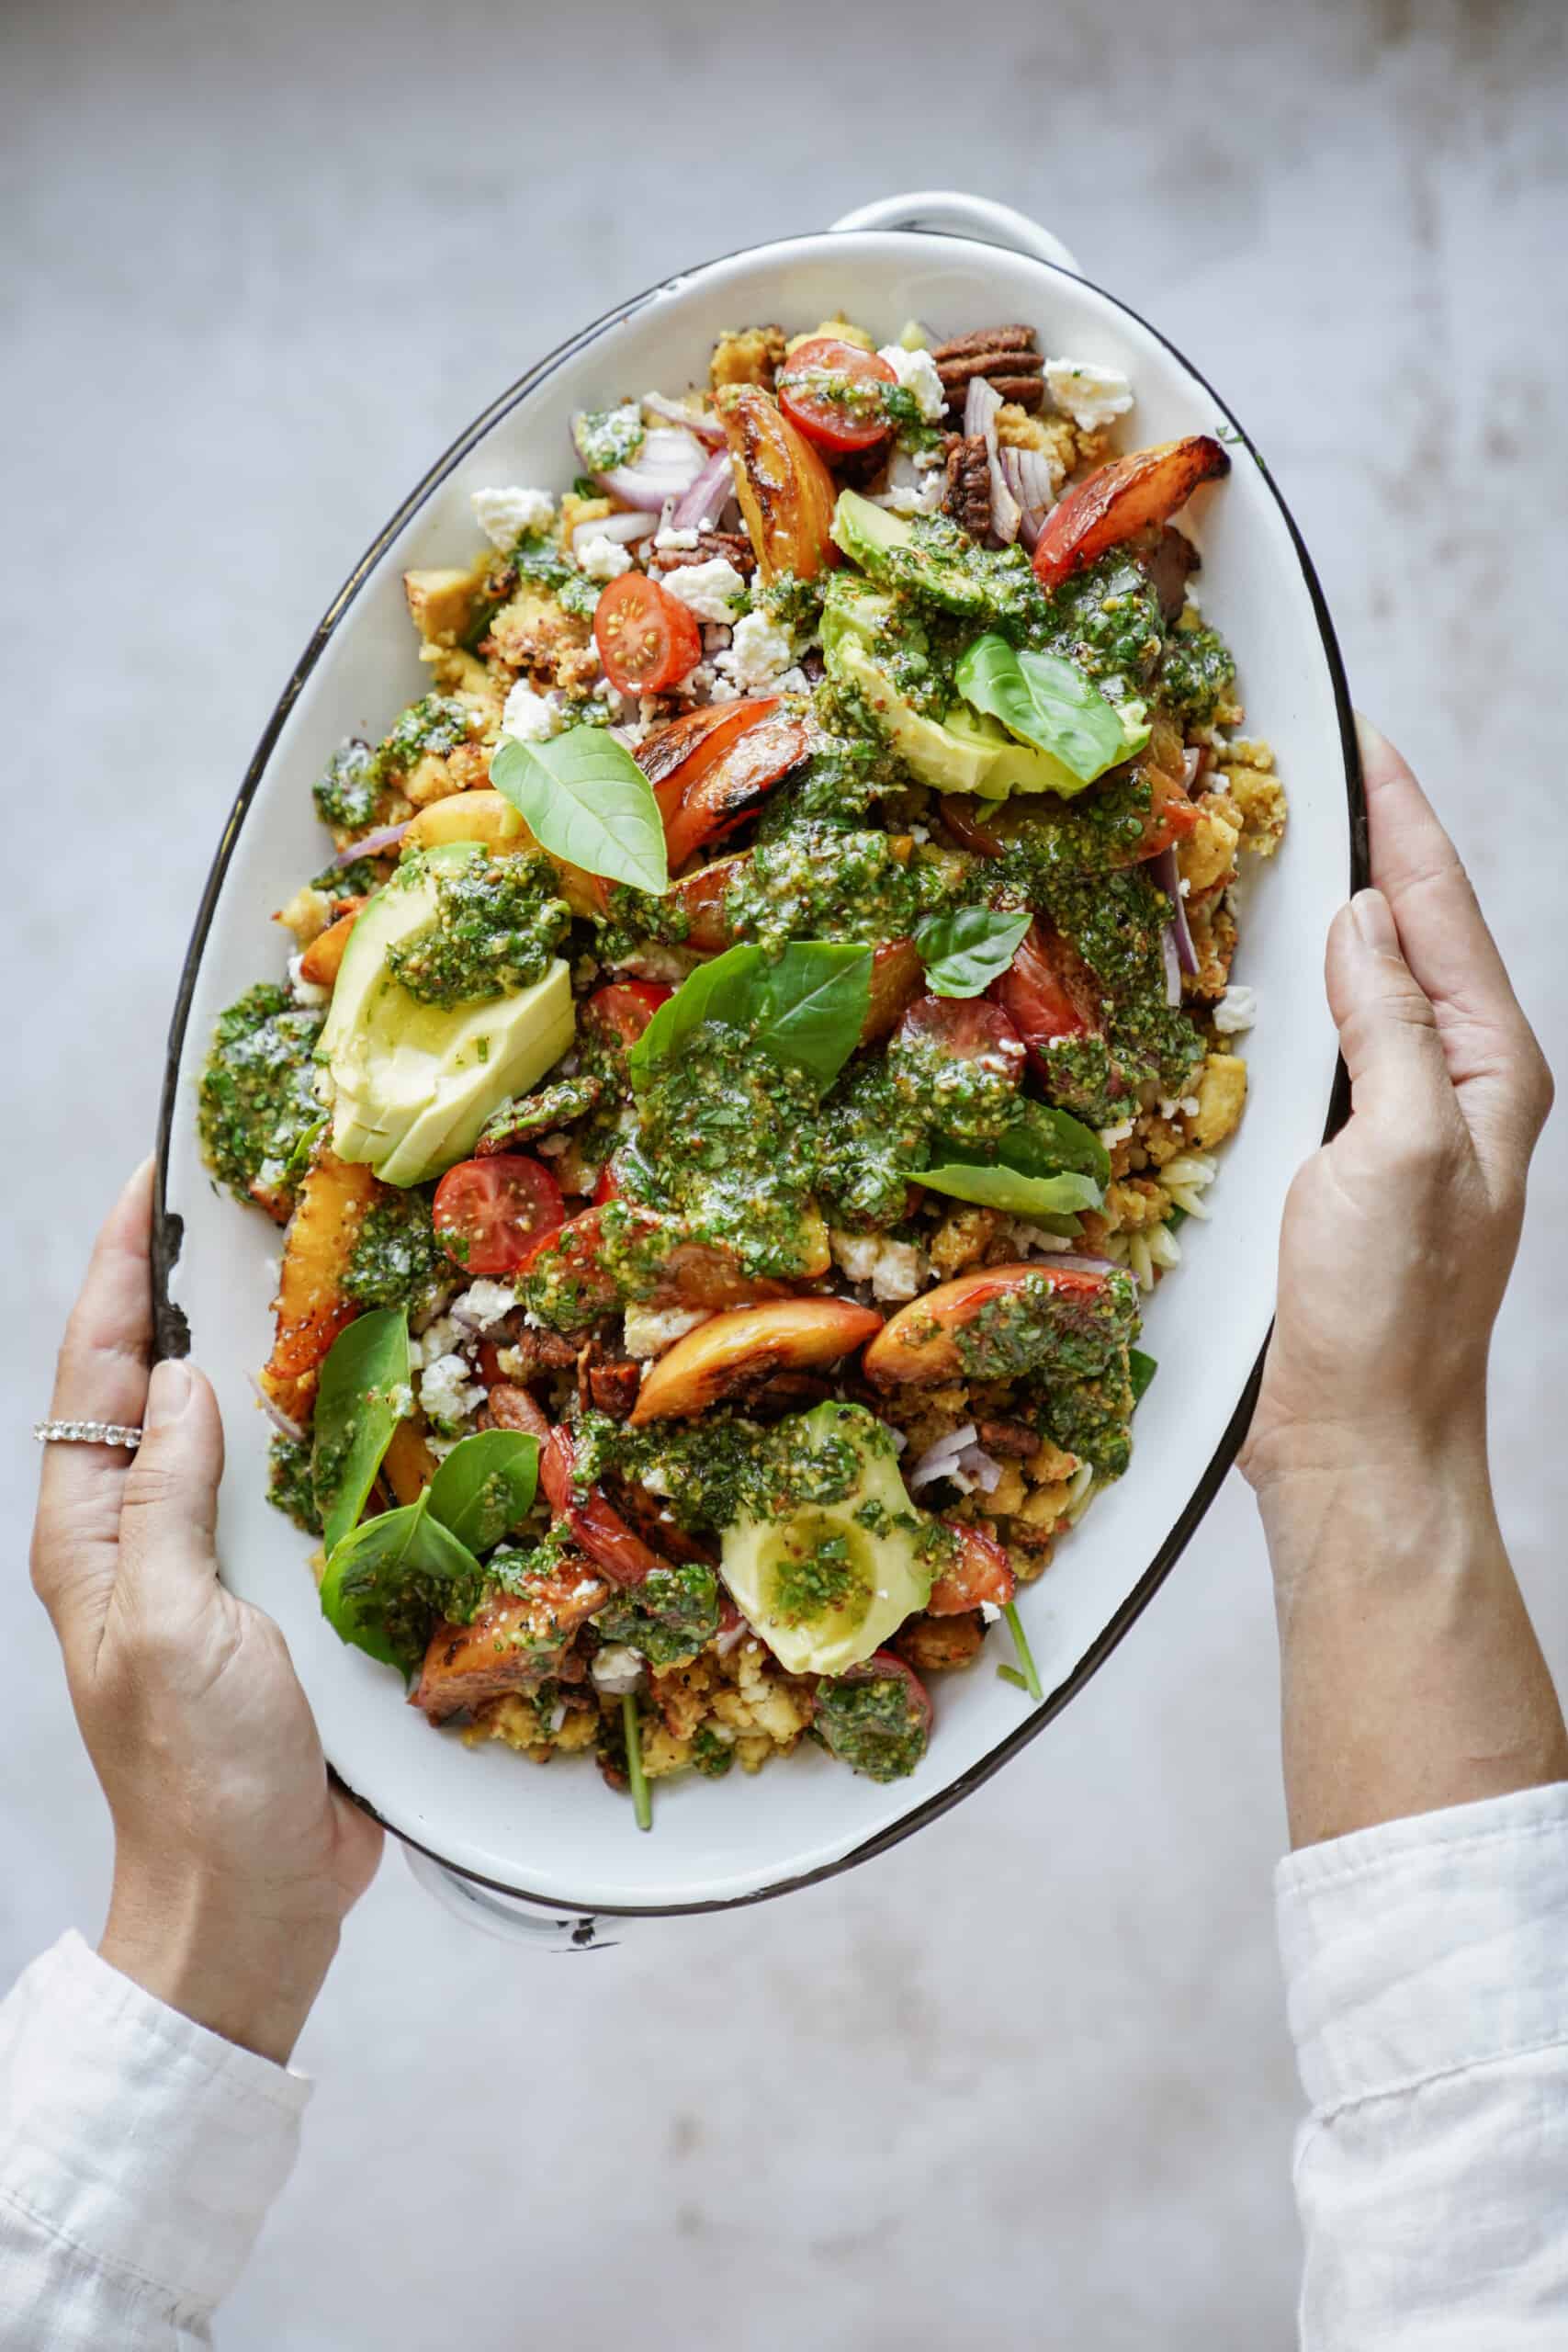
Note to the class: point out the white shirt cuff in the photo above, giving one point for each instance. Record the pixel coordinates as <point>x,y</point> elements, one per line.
<point>1427,1945</point>
<point>152,2145</point>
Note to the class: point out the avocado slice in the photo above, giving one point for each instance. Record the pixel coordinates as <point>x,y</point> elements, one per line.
<point>414,1083</point>
<point>861,630</point>
<point>886,546</point>
<point>826,1583</point>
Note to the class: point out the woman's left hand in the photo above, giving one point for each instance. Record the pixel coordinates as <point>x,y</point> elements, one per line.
<point>235,1860</point>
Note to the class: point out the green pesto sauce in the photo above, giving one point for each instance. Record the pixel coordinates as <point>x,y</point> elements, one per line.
<point>669,1616</point>
<point>940,565</point>
<point>814,1576</point>
<point>289,1485</point>
<point>1107,619</point>
<point>1093,1417</point>
<point>435,724</point>
<point>1196,676</point>
<point>349,793</point>
<point>871,1723</point>
<point>397,1260</point>
<point>1089,835</point>
<point>257,1097</point>
<point>714,1472</point>
<point>710,1757</point>
<point>348,790</point>
<point>847,772</point>
<point>815,881</point>
<point>1031,1327</point>
<point>355,880</point>
<point>556,1105</point>
<point>788,598</point>
<point>608,437</point>
<point>496,928</point>
<point>537,558</point>
<point>873,1143</point>
<point>725,1144</point>
<point>970,1098</point>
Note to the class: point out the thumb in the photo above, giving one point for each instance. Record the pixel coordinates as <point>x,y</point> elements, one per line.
<point>1388,1031</point>
<point>169,1512</point>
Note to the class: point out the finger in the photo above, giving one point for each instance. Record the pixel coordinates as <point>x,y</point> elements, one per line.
<point>168,1521</point>
<point>1388,1031</point>
<point>1490,1048</point>
<point>101,1376</point>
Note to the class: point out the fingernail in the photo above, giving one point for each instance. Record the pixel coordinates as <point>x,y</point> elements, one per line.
<point>1373,919</point>
<point>168,1393</point>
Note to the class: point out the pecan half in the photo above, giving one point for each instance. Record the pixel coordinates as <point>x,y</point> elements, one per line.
<point>968,497</point>
<point>1006,356</point>
<point>733,546</point>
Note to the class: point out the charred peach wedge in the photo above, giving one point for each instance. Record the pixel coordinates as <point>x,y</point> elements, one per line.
<point>1127,496</point>
<point>992,1322</point>
<point>311,1306</point>
<point>785,492</point>
<point>322,960</point>
<point>736,1352</point>
<point>509,1646</point>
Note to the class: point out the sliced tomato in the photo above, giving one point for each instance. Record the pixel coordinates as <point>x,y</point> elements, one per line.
<point>608,1188</point>
<point>596,1526</point>
<point>491,1215</point>
<point>980,1571</point>
<point>1046,991</point>
<point>965,820</point>
<point>883,1666</point>
<point>646,638</point>
<point>1122,499</point>
<point>967,1029</point>
<point>622,1010</point>
<point>833,391</point>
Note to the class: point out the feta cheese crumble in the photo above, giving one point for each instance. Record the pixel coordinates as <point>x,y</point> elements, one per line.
<point>531,718</point>
<point>618,1667</point>
<point>916,371</point>
<point>447,1393</point>
<point>759,652</point>
<point>1237,1009</point>
<point>302,990</point>
<point>710,589</point>
<point>650,1331</point>
<point>603,559</point>
<point>1091,395</point>
<point>670,538</point>
<point>893,1269</point>
<point>483,1305</point>
<point>505,514</point>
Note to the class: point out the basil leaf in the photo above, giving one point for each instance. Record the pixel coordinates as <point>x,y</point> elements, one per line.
<point>389,1580</point>
<point>363,1391</point>
<point>1046,1164</point>
<point>1141,1370</point>
<point>807,1007</point>
<point>584,797</point>
<point>485,1485</point>
<point>963,952</point>
<point>993,1185</point>
<point>1048,703</point>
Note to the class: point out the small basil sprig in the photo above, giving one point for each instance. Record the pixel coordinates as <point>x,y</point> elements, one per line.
<point>485,1485</point>
<point>1049,703</point>
<point>805,1007</point>
<point>1046,1164</point>
<point>966,950</point>
<point>363,1391</point>
<point>389,1580</point>
<point>1141,1370</point>
<point>584,797</point>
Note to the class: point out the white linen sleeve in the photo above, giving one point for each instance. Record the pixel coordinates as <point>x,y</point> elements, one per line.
<point>139,2156</point>
<point>1426,1971</point>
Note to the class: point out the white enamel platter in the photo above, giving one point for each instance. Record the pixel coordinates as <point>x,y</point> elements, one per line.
<point>558,1837</point>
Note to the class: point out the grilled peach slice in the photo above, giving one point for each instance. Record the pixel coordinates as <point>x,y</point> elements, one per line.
<point>700,897</point>
<point>322,960</point>
<point>785,492</point>
<point>690,1273</point>
<point>617,1550</point>
<point>710,779</point>
<point>1127,496</point>
<point>512,1645</point>
<point>739,1350</point>
<point>310,1308</point>
<point>898,977</point>
<point>978,1571</point>
<point>490,818</point>
<point>408,1464</point>
<point>926,1340</point>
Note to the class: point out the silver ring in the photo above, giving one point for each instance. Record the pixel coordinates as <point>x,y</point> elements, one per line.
<point>88,1434</point>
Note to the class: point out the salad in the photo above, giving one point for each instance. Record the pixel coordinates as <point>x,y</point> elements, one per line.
<point>748,1053</point>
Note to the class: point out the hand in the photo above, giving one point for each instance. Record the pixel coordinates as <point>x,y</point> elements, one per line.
<point>1411,1678</point>
<point>1400,1235</point>
<point>235,1861</point>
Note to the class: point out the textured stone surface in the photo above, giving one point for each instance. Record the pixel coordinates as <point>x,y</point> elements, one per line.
<point>1025,2081</point>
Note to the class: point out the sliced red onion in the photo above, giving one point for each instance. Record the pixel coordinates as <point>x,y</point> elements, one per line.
<point>622,529</point>
<point>939,1461</point>
<point>668,463</point>
<point>1028,473</point>
<point>1167,873</point>
<point>1082,1263</point>
<point>276,1414</point>
<point>1171,959</point>
<point>981,406</point>
<point>698,509</point>
<point>981,1468</point>
<point>374,845</point>
<point>1190,762</point>
<point>707,429</point>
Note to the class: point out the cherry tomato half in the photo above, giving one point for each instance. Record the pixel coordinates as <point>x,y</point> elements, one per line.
<point>490,1214</point>
<point>831,390</point>
<point>646,638</point>
<point>623,1009</point>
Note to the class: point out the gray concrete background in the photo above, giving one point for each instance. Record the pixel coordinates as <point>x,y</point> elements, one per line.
<point>1026,2078</point>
